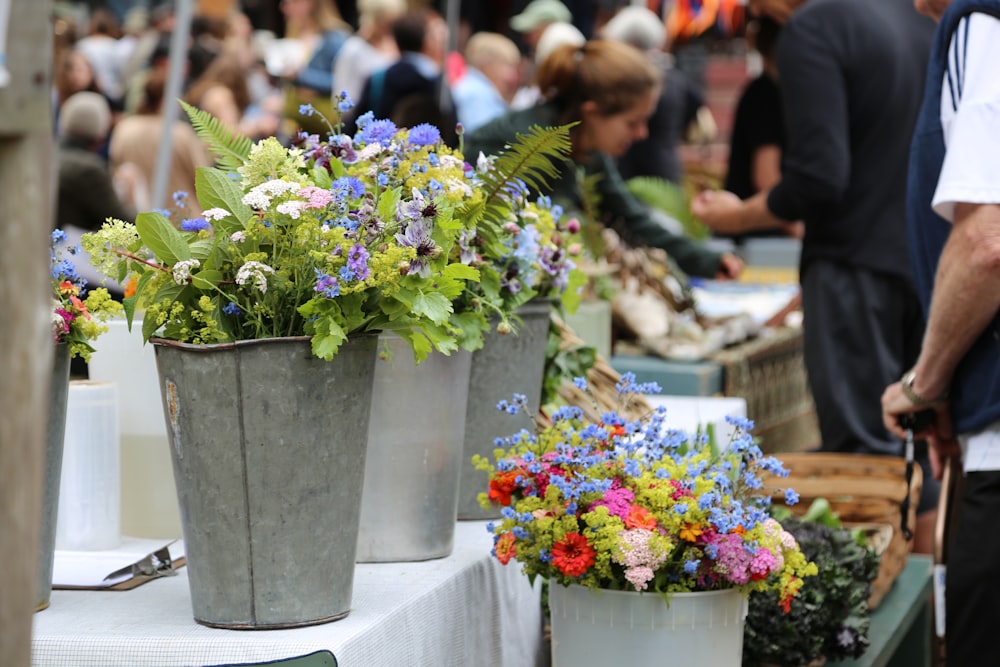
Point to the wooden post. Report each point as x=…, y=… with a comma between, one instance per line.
x=26, y=196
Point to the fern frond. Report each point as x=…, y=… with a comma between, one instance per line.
x=230, y=148
x=533, y=158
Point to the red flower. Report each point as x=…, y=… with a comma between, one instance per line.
x=573, y=556
x=503, y=485
x=505, y=547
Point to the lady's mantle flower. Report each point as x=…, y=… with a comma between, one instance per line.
x=182, y=270
x=254, y=271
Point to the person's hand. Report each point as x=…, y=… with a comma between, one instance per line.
x=719, y=210
x=730, y=267
x=939, y=435
x=796, y=230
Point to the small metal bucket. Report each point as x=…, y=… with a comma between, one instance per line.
x=55, y=436
x=268, y=447
x=506, y=364
x=415, y=440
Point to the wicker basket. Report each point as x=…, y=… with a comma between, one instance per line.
x=769, y=372
x=862, y=489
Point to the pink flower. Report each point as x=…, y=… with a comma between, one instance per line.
x=733, y=559
x=638, y=558
x=618, y=501
x=762, y=564
x=318, y=197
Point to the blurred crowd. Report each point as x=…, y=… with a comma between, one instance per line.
x=394, y=58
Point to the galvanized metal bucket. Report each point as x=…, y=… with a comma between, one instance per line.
x=415, y=444
x=506, y=364
x=268, y=448
x=54, y=438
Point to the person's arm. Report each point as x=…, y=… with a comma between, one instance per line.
x=638, y=228
x=765, y=166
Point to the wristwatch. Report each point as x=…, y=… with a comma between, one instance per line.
x=918, y=401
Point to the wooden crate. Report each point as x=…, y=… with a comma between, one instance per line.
x=769, y=372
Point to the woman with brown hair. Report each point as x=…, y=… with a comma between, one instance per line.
x=222, y=90
x=609, y=89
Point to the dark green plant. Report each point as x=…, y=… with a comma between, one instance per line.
x=830, y=616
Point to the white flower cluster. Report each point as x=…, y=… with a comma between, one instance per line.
x=182, y=270
x=214, y=214
x=259, y=197
x=254, y=271
x=291, y=208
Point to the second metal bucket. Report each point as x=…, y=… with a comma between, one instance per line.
x=506, y=364
x=415, y=440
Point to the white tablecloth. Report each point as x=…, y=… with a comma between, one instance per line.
x=465, y=610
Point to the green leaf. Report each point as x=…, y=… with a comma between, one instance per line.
x=321, y=177
x=216, y=189
x=206, y=280
x=432, y=305
x=470, y=328
x=570, y=298
x=325, y=343
x=230, y=148
x=159, y=235
x=388, y=203
x=462, y=272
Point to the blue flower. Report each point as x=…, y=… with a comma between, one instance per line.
x=357, y=260
x=346, y=274
x=345, y=102
x=791, y=497
x=348, y=185
x=378, y=132
x=306, y=110
x=162, y=211
x=232, y=309
x=691, y=566
x=58, y=236
x=180, y=198
x=580, y=382
x=326, y=285
x=424, y=134
x=194, y=224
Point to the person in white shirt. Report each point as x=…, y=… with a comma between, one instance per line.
x=954, y=231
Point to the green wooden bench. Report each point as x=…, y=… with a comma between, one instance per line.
x=900, y=633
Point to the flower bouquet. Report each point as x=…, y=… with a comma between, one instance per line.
x=626, y=504
x=78, y=314
x=324, y=239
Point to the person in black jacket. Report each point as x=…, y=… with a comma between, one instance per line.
x=852, y=76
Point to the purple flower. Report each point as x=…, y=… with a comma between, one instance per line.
x=327, y=285
x=418, y=237
x=357, y=261
x=424, y=134
x=194, y=224
x=618, y=501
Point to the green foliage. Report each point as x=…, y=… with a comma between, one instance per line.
x=830, y=616
x=563, y=363
x=230, y=148
x=669, y=198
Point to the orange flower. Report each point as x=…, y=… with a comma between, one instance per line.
x=639, y=517
x=574, y=555
x=690, y=532
x=79, y=306
x=66, y=287
x=131, y=286
x=739, y=530
x=503, y=485
x=505, y=547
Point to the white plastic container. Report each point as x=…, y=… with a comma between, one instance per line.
x=628, y=628
x=89, y=516
x=148, y=495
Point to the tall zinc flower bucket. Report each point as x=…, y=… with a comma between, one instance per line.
x=505, y=365
x=605, y=627
x=268, y=447
x=415, y=445
x=52, y=473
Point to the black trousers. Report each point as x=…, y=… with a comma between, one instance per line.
x=972, y=580
x=862, y=330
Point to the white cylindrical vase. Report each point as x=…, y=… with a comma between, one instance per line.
x=89, y=516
